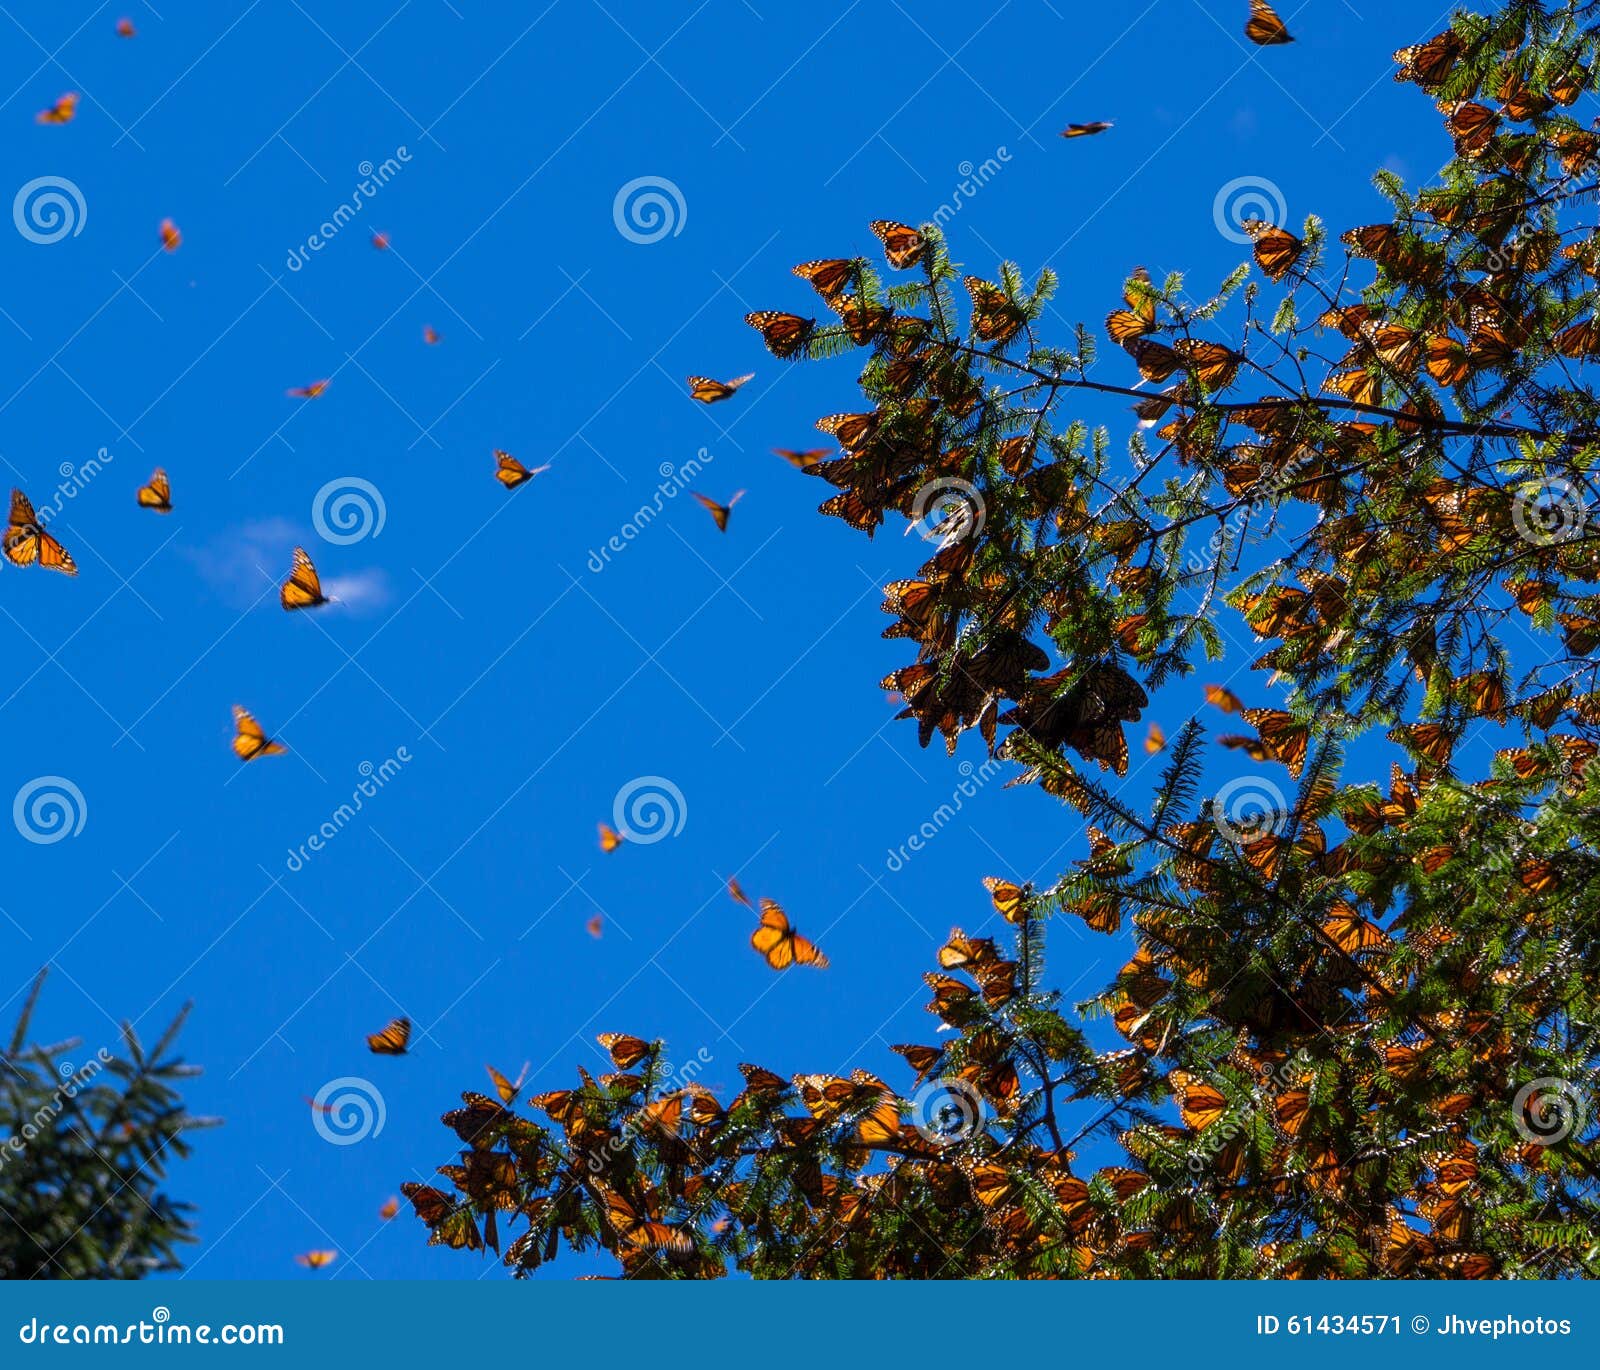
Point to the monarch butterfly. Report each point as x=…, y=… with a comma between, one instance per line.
x=737, y=894
x=595, y=926
x=157, y=494
x=783, y=947
x=303, y=589
x=902, y=245
x=1252, y=747
x=923, y=1060
x=610, y=838
x=1210, y=363
x=1085, y=130
x=390, y=1207
x=642, y=1233
x=1199, y=1103
x=450, y=1225
x=626, y=1052
x=62, y=112
x=430, y=334
x=994, y=317
x=1221, y=697
x=249, y=741
x=1264, y=27
x=26, y=541
x=828, y=275
x=1350, y=932
x=1009, y=899
x=380, y=241
x=1472, y=126
x=504, y=1087
x=708, y=391
x=784, y=334
x=511, y=473
x=125, y=28
x=853, y=431
x=1155, y=740
x=719, y=512
x=1428, y=63
x=170, y=236
x=392, y=1041
x=307, y=392
x=315, y=1260
x=801, y=460
x=862, y=323
x=1284, y=739
x=1276, y=249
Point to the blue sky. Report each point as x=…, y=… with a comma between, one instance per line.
x=526, y=688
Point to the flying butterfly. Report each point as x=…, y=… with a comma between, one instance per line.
x=62, y=112
x=719, y=512
x=709, y=391
x=800, y=460
x=26, y=541
x=157, y=494
x=1085, y=130
x=249, y=741
x=595, y=927
x=902, y=244
x=1221, y=697
x=1284, y=739
x=784, y=334
x=393, y=1040
x=610, y=838
x=511, y=473
x=782, y=946
x=307, y=392
x=125, y=28
x=1155, y=740
x=1264, y=26
x=315, y=1260
x=430, y=334
x=171, y=238
x=390, y=1207
x=303, y=589
x=737, y=894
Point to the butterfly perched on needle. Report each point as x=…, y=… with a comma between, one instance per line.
x=393, y=1040
x=777, y=940
x=511, y=473
x=709, y=391
x=170, y=236
x=303, y=589
x=157, y=494
x=718, y=512
x=249, y=741
x=307, y=392
x=784, y=334
x=1086, y=130
x=1264, y=26
x=27, y=543
x=902, y=244
x=800, y=460
x=62, y=112
x=315, y=1260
